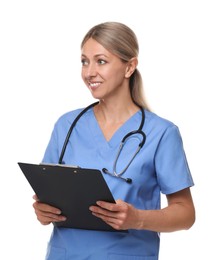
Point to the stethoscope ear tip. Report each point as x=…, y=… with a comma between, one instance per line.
x=128, y=180
x=104, y=170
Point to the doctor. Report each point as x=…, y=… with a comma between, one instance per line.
x=136, y=174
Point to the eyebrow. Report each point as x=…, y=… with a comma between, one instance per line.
x=96, y=55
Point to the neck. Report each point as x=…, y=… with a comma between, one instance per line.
x=115, y=112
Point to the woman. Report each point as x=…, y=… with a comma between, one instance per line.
x=109, y=55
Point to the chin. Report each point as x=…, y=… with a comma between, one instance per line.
x=96, y=96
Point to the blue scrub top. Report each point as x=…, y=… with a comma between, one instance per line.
x=160, y=167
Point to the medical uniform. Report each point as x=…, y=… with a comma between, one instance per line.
x=160, y=166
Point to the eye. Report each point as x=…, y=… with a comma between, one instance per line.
x=101, y=62
x=84, y=62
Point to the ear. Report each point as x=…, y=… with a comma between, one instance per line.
x=131, y=66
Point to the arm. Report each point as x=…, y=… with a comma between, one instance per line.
x=178, y=215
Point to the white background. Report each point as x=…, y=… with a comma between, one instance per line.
x=40, y=79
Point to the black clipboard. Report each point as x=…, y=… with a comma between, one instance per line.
x=72, y=190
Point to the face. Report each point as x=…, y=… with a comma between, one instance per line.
x=104, y=74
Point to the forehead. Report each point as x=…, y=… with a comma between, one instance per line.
x=92, y=47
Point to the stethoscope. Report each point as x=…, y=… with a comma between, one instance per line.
x=134, y=132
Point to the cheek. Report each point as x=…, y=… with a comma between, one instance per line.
x=82, y=72
x=116, y=74
x=118, y=77
x=83, y=75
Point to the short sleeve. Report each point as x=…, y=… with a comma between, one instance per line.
x=51, y=154
x=171, y=164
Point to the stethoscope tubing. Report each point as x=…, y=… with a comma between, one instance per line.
x=71, y=129
x=121, y=147
x=138, y=131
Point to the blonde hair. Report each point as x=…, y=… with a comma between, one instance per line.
x=120, y=40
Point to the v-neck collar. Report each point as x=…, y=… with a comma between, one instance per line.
x=131, y=124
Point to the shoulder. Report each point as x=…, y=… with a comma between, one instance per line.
x=157, y=127
x=157, y=121
x=162, y=131
x=67, y=118
x=70, y=116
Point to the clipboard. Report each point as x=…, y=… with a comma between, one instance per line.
x=72, y=190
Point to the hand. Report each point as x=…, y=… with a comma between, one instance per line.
x=46, y=213
x=119, y=216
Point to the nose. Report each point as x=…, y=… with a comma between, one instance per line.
x=91, y=70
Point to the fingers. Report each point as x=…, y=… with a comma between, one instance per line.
x=114, y=207
x=113, y=214
x=35, y=197
x=47, y=214
x=109, y=209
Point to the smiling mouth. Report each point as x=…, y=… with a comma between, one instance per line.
x=94, y=85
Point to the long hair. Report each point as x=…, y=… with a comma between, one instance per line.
x=120, y=40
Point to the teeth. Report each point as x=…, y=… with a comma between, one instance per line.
x=94, y=84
